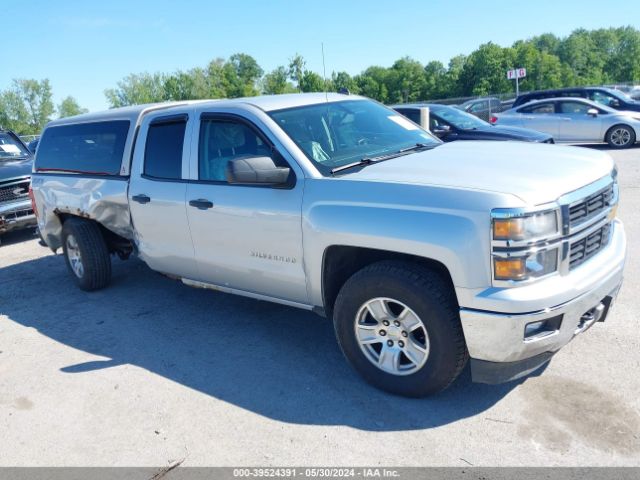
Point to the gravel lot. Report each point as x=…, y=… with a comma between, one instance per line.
x=150, y=371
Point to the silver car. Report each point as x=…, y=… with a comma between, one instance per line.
x=575, y=120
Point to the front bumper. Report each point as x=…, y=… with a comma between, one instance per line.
x=496, y=339
x=16, y=215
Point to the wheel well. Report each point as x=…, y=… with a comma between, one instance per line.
x=618, y=125
x=341, y=262
x=115, y=243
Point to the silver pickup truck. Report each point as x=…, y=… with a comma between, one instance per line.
x=424, y=254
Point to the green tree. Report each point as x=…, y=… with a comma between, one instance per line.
x=435, y=80
x=344, y=80
x=277, y=81
x=296, y=69
x=624, y=62
x=69, y=107
x=607, y=55
x=311, y=82
x=547, y=42
x=27, y=106
x=405, y=81
x=138, y=89
x=579, y=53
x=241, y=74
x=484, y=71
x=217, y=81
x=372, y=83
x=452, y=86
x=189, y=85
x=544, y=69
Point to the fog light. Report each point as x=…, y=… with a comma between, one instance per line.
x=542, y=328
x=533, y=329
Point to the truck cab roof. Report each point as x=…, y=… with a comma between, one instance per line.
x=267, y=103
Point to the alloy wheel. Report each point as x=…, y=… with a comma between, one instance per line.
x=392, y=336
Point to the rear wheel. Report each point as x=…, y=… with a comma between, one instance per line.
x=620, y=136
x=398, y=325
x=86, y=254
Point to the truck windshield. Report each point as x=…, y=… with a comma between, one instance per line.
x=335, y=134
x=10, y=147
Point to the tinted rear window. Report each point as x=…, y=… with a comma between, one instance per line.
x=163, y=152
x=93, y=148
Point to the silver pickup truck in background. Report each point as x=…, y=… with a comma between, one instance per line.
x=424, y=254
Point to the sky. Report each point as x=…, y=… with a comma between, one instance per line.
x=85, y=47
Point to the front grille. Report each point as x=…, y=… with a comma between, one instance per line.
x=584, y=249
x=590, y=207
x=14, y=191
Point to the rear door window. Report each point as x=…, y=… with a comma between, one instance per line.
x=90, y=148
x=163, y=150
x=539, y=108
x=574, y=107
x=478, y=107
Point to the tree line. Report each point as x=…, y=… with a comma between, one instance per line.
x=27, y=106
x=585, y=57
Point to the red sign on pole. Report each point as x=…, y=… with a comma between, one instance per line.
x=516, y=73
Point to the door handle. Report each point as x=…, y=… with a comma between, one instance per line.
x=141, y=198
x=201, y=204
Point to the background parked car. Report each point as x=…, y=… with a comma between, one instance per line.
x=482, y=107
x=33, y=145
x=634, y=93
x=449, y=124
x=604, y=96
x=16, y=162
x=575, y=120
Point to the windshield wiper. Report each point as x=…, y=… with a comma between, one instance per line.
x=417, y=146
x=369, y=160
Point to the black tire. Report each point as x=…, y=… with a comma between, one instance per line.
x=433, y=301
x=93, y=251
x=616, y=131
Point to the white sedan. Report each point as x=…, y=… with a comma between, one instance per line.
x=575, y=120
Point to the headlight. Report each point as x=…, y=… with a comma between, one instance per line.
x=523, y=227
x=533, y=265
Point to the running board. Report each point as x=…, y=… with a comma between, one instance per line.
x=244, y=293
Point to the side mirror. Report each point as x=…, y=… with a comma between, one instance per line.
x=593, y=112
x=256, y=171
x=614, y=103
x=441, y=130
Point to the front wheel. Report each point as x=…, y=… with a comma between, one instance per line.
x=620, y=136
x=398, y=325
x=86, y=254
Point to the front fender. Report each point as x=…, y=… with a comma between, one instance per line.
x=451, y=226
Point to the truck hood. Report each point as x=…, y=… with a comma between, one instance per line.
x=536, y=173
x=15, y=168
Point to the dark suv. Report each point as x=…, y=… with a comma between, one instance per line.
x=606, y=96
x=16, y=162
